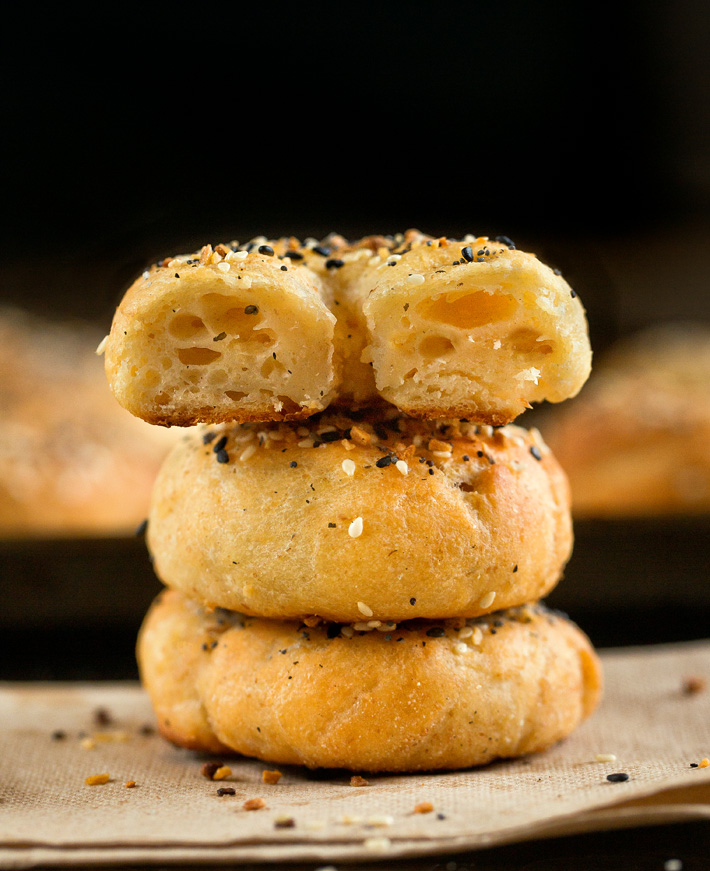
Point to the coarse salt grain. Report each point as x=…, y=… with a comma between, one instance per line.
x=364, y=610
x=348, y=466
x=460, y=647
x=355, y=531
x=487, y=600
x=224, y=266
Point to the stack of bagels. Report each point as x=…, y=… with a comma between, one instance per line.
x=354, y=535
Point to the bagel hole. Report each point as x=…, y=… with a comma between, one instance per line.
x=198, y=356
x=187, y=326
x=234, y=395
x=526, y=341
x=435, y=346
x=468, y=310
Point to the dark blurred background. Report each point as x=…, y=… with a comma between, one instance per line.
x=582, y=133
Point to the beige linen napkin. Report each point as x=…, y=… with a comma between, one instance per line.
x=655, y=719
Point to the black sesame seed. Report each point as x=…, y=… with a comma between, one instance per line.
x=412, y=601
x=208, y=437
x=222, y=457
x=220, y=444
x=619, y=777
x=284, y=268
x=331, y=526
x=219, y=337
x=251, y=310
x=572, y=293
x=515, y=569
x=330, y=436
x=383, y=462
x=431, y=471
x=535, y=451
x=293, y=464
x=466, y=458
x=267, y=250
x=504, y=240
x=142, y=528
x=436, y=632
x=333, y=630
x=294, y=255
x=226, y=790
x=59, y=735
x=334, y=263
x=467, y=254
x=322, y=250
x=694, y=765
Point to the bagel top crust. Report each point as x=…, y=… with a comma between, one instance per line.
x=375, y=517
x=280, y=329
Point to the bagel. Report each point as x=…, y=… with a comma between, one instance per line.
x=373, y=515
x=636, y=442
x=72, y=462
x=423, y=696
x=279, y=330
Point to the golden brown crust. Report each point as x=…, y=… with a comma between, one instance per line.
x=636, y=442
x=456, y=519
x=422, y=697
x=438, y=327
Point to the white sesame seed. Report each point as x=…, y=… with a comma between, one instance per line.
x=402, y=467
x=466, y=632
x=146, y=274
x=415, y=279
x=247, y=452
x=364, y=609
x=379, y=820
x=304, y=443
x=377, y=845
x=605, y=757
x=240, y=255
x=477, y=636
x=487, y=600
x=673, y=865
x=174, y=263
x=362, y=627
x=348, y=467
x=102, y=346
x=314, y=825
x=347, y=631
x=355, y=531
x=224, y=266
x=444, y=455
